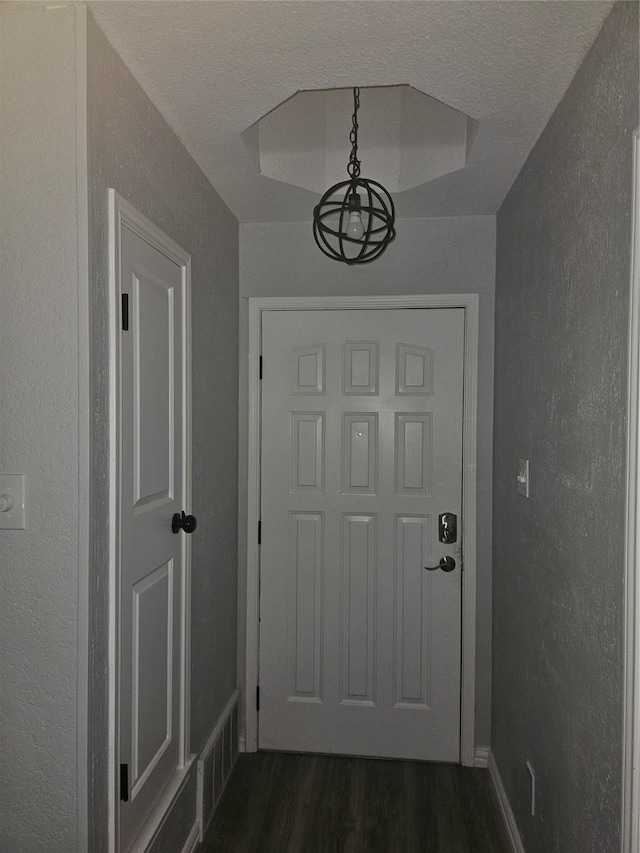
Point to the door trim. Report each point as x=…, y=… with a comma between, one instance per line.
x=122, y=213
x=631, y=727
x=470, y=303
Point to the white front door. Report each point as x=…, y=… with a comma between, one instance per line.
x=360, y=644
x=152, y=565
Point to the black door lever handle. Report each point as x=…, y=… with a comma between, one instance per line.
x=447, y=564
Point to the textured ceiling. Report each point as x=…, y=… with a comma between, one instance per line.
x=215, y=68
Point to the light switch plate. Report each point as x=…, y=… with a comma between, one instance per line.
x=12, y=494
x=523, y=477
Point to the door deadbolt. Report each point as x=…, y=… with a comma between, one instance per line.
x=448, y=528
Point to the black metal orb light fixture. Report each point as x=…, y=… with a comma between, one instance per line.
x=354, y=220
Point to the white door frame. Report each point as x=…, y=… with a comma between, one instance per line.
x=122, y=213
x=631, y=736
x=468, y=301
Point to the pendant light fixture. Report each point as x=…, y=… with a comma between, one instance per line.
x=354, y=221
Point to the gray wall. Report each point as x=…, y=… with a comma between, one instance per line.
x=563, y=249
x=42, y=369
x=448, y=255
x=132, y=149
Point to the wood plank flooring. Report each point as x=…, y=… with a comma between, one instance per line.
x=288, y=803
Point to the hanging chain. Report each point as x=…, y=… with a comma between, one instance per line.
x=353, y=167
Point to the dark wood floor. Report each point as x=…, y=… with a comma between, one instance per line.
x=286, y=803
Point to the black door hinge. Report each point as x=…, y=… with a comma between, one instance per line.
x=260, y=533
x=260, y=367
x=125, y=312
x=258, y=698
x=124, y=783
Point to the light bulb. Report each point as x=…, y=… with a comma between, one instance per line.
x=355, y=228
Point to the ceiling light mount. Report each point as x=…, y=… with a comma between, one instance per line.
x=354, y=220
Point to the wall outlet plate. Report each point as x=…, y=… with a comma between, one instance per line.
x=12, y=498
x=523, y=477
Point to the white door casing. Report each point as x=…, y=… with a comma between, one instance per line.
x=468, y=302
x=149, y=584
x=630, y=841
x=361, y=450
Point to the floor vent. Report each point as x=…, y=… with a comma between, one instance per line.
x=216, y=763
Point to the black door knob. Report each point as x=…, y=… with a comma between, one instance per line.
x=180, y=521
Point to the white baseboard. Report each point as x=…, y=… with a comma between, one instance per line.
x=481, y=756
x=216, y=761
x=242, y=743
x=505, y=807
x=193, y=838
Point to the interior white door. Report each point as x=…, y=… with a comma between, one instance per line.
x=360, y=645
x=152, y=477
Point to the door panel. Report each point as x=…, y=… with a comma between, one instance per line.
x=151, y=682
x=413, y=454
x=305, y=605
x=153, y=388
x=361, y=451
x=413, y=604
x=307, y=452
x=152, y=559
x=358, y=614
